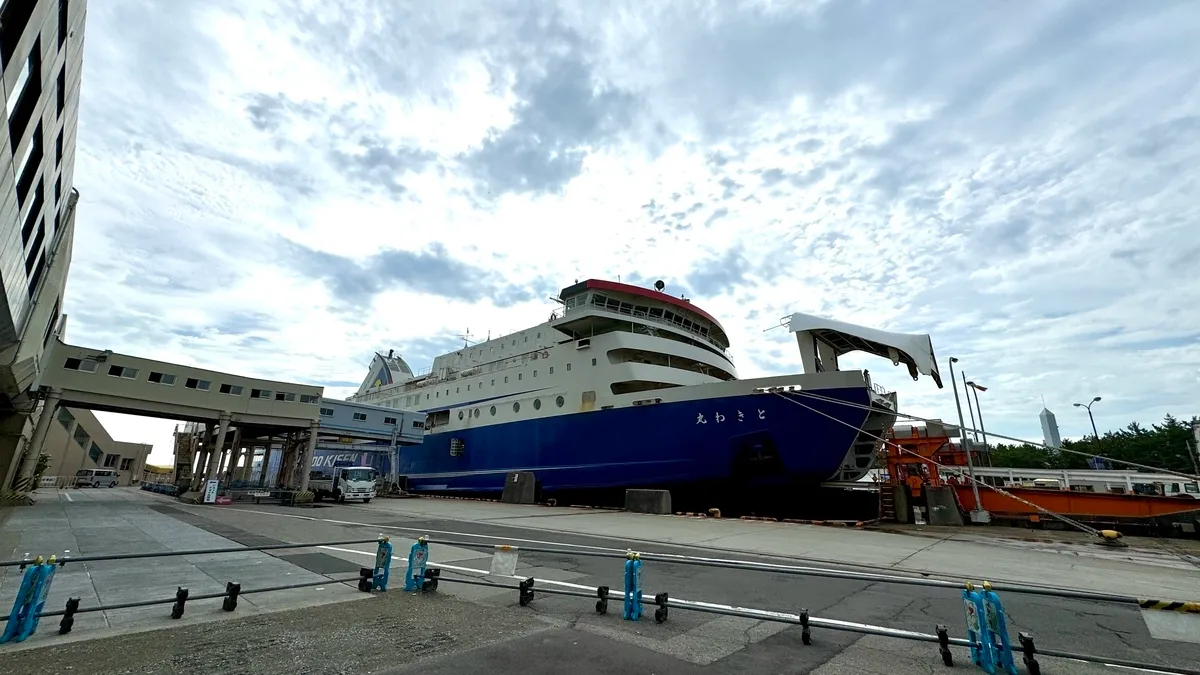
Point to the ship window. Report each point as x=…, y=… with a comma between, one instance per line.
x=656, y=312
x=517, y=407
x=480, y=385
x=468, y=387
x=493, y=411
x=493, y=381
x=460, y=415
x=551, y=370
x=526, y=338
x=568, y=366
x=389, y=420
x=427, y=396
x=559, y=401
x=505, y=379
x=520, y=375
x=360, y=417
x=455, y=390
x=593, y=362
x=535, y=373
x=537, y=404
x=436, y=394
x=477, y=413
x=514, y=343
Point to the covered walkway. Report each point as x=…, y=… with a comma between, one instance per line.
x=239, y=407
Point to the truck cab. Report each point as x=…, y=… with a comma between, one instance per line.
x=345, y=482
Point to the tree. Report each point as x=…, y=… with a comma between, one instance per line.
x=1162, y=446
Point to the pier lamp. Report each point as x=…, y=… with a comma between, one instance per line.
x=978, y=515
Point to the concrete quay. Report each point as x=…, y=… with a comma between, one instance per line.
x=462, y=628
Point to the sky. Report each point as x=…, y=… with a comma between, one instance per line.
x=280, y=189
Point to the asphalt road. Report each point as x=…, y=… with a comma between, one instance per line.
x=468, y=629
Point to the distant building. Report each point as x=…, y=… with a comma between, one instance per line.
x=1050, y=435
x=80, y=441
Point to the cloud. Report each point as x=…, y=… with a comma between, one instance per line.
x=283, y=189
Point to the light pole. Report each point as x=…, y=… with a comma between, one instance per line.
x=976, y=388
x=978, y=515
x=974, y=429
x=1095, y=434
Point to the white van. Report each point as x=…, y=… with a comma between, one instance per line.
x=96, y=478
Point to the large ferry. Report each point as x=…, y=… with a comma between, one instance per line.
x=627, y=386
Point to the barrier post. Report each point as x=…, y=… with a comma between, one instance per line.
x=30, y=623
x=181, y=596
x=68, y=618
x=232, y=589
x=23, y=602
x=805, y=633
x=944, y=645
x=602, y=603
x=383, y=563
x=418, y=557
x=660, y=614
x=998, y=627
x=1030, y=654
x=977, y=630
x=525, y=588
x=633, y=587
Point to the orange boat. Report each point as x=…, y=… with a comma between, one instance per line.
x=1101, y=506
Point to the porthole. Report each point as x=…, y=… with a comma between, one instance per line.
x=559, y=401
x=477, y=413
x=460, y=414
x=537, y=404
x=493, y=411
x=517, y=406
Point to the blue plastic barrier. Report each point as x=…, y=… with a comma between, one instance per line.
x=987, y=630
x=30, y=601
x=998, y=627
x=633, y=587
x=383, y=563
x=418, y=557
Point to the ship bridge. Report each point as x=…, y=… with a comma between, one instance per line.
x=822, y=341
x=595, y=306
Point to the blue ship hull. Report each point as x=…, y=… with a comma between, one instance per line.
x=754, y=439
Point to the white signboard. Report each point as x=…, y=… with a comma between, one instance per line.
x=48, y=481
x=210, y=491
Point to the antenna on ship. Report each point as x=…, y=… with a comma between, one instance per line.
x=659, y=285
x=466, y=338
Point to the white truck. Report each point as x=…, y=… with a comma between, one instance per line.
x=346, y=482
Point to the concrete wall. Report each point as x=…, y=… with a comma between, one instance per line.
x=134, y=379
x=72, y=430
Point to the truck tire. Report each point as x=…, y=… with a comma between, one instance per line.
x=366, y=500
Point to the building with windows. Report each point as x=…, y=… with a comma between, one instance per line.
x=41, y=58
x=78, y=440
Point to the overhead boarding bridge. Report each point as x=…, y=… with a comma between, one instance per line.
x=95, y=379
x=822, y=341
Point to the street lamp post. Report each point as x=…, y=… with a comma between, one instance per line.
x=978, y=515
x=974, y=429
x=1095, y=434
x=976, y=388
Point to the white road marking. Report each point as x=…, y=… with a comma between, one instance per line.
x=68, y=496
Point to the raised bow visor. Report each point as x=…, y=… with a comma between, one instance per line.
x=822, y=341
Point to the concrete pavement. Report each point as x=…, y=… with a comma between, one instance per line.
x=568, y=634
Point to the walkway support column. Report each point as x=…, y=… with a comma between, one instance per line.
x=214, y=461
x=266, y=462
x=309, y=451
x=34, y=449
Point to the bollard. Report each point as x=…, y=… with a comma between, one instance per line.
x=181, y=596
x=602, y=603
x=944, y=645
x=418, y=556
x=805, y=633
x=998, y=628
x=383, y=563
x=633, y=586
x=978, y=631
x=1030, y=651
x=366, y=579
x=526, y=591
x=23, y=600
x=431, y=579
x=68, y=619
x=660, y=614
x=232, y=590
